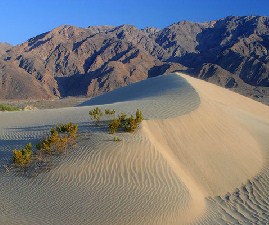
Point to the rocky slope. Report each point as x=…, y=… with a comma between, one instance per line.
x=4, y=47
x=71, y=61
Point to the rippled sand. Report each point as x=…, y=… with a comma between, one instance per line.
x=200, y=157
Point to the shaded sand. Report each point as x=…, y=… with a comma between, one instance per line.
x=200, y=157
x=102, y=182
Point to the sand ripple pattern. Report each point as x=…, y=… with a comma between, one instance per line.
x=101, y=182
x=248, y=204
x=150, y=177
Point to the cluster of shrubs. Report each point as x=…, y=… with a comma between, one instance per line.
x=110, y=112
x=96, y=114
x=23, y=156
x=127, y=124
x=4, y=107
x=61, y=137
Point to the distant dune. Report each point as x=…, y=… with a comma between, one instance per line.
x=199, y=157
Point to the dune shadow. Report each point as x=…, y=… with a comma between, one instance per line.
x=149, y=88
x=21, y=136
x=30, y=128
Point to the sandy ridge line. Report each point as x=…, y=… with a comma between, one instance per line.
x=197, y=205
x=209, y=150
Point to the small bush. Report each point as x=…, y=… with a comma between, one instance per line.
x=138, y=116
x=69, y=128
x=61, y=144
x=8, y=108
x=96, y=114
x=114, y=125
x=130, y=124
x=116, y=138
x=109, y=112
x=23, y=156
x=59, y=138
x=47, y=144
x=122, y=117
x=53, y=143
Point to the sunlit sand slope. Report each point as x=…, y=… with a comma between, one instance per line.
x=248, y=202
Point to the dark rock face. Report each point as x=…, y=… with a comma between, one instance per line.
x=70, y=61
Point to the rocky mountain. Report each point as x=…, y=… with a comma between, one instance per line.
x=4, y=47
x=71, y=61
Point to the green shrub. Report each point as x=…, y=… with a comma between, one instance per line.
x=47, y=144
x=130, y=124
x=114, y=125
x=8, y=108
x=138, y=116
x=61, y=143
x=53, y=143
x=69, y=128
x=64, y=128
x=122, y=117
x=116, y=138
x=110, y=112
x=23, y=156
x=59, y=138
x=96, y=114
x=72, y=130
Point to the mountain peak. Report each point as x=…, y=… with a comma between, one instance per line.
x=4, y=47
x=69, y=60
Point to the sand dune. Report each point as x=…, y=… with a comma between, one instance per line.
x=200, y=157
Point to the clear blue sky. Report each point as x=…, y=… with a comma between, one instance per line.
x=23, y=19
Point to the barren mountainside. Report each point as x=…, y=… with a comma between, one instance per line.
x=4, y=47
x=71, y=61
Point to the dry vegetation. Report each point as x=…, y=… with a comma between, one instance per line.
x=23, y=156
x=4, y=107
x=110, y=112
x=127, y=124
x=96, y=115
x=61, y=138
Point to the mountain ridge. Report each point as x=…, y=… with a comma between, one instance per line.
x=70, y=61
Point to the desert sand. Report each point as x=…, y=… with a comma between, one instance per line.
x=199, y=157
